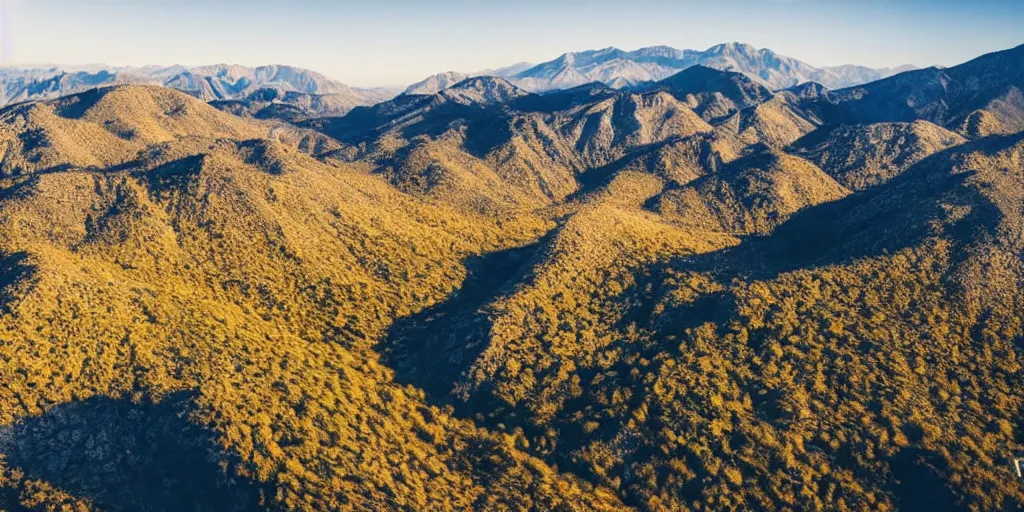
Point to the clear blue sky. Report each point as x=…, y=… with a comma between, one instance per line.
x=395, y=42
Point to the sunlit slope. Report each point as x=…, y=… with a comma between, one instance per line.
x=861, y=353
x=695, y=295
x=751, y=194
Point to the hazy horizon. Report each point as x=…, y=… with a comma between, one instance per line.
x=399, y=42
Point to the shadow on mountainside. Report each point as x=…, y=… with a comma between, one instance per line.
x=919, y=481
x=879, y=221
x=76, y=106
x=128, y=456
x=485, y=127
x=13, y=269
x=173, y=176
x=871, y=223
x=431, y=349
x=598, y=178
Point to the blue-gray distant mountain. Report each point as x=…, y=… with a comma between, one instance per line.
x=441, y=81
x=619, y=68
x=436, y=83
x=208, y=83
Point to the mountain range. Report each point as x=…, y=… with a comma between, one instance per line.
x=620, y=69
x=218, y=82
x=696, y=292
x=310, y=94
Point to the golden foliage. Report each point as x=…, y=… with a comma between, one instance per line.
x=635, y=348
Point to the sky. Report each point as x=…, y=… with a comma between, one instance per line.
x=397, y=42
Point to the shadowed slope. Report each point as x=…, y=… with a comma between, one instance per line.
x=977, y=98
x=861, y=156
x=752, y=194
x=739, y=375
x=486, y=146
x=121, y=455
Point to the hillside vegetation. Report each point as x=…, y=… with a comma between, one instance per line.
x=696, y=295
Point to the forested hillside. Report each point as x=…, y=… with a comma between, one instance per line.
x=696, y=295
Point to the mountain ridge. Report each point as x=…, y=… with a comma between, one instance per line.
x=699, y=294
x=657, y=62
x=209, y=82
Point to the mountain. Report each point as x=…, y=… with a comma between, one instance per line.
x=506, y=71
x=488, y=143
x=706, y=85
x=703, y=293
x=209, y=83
x=860, y=156
x=210, y=194
x=482, y=90
x=849, y=75
x=753, y=194
x=624, y=69
x=976, y=98
x=735, y=103
x=435, y=83
x=47, y=84
x=291, y=106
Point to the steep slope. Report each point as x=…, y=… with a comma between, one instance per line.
x=776, y=122
x=486, y=144
x=482, y=91
x=626, y=69
x=976, y=98
x=209, y=83
x=572, y=69
x=737, y=105
x=752, y=194
x=713, y=93
x=113, y=126
x=862, y=156
x=854, y=357
x=780, y=72
x=675, y=161
x=106, y=127
x=435, y=83
x=288, y=106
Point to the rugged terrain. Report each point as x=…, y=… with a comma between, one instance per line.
x=302, y=89
x=626, y=69
x=703, y=293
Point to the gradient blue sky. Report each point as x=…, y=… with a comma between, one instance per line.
x=395, y=42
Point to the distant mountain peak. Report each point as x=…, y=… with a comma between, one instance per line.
x=623, y=69
x=734, y=47
x=706, y=78
x=208, y=83
x=657, y=50
x=566, y=59
x=809, y=90
x=478, y=82
x=611, y=50
x=483, y=90
x=435, y=83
